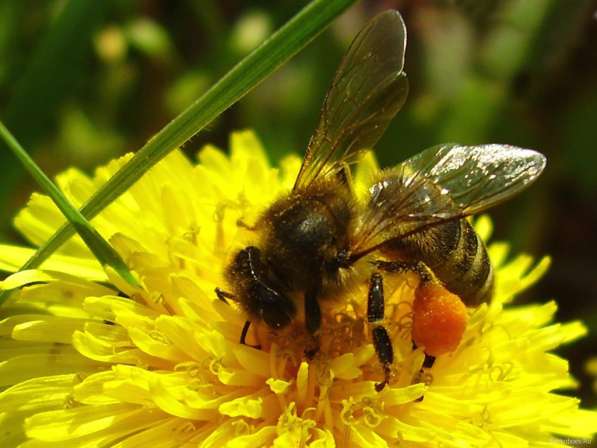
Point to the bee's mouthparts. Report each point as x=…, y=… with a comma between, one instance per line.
x=343, y=259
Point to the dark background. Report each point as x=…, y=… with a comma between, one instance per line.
x=83, y=81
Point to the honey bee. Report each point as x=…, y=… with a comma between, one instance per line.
x=308, y=241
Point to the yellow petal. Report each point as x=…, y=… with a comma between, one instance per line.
x=68, y=423
x=13, y=257
x=243, y=407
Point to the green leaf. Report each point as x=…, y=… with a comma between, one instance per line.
x=247, y=74
x=102, y=250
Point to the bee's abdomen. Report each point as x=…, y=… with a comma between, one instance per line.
x=457, y=256
x=467, y=270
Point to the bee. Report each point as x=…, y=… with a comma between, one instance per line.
x=414, y=218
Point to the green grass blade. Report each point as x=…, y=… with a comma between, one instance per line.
x=247, y=74
x=102, y=250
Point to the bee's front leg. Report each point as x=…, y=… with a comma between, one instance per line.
x=312, y=321
x=243, y=335
x=381, y=339
x=224, y=295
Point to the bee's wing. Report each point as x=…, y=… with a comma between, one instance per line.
x=368, y=89
x=440, y=184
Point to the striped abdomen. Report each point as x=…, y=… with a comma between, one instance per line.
x=456, y=255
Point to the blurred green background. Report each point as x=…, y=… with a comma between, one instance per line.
x=82, y=81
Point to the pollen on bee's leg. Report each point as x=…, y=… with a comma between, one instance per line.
x=439, y=319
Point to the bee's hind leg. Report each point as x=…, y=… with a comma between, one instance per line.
x=420, y=268
x=426, y=276
x=428, y=361
x=381, y=339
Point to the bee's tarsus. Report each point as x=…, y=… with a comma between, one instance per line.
x=243, y=335
x=384, y=350
x=381, y=385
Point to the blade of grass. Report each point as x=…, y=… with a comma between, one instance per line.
x=243, y=77
x=102, y=250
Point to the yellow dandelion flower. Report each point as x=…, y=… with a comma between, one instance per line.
x=88, y=361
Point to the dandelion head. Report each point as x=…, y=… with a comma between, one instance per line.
x=88, y=360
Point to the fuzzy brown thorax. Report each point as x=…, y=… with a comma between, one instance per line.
x=303, y=233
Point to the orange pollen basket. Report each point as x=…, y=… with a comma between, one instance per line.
x=439, y=319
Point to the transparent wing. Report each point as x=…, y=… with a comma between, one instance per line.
x=368, y=89
x=443, y=183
